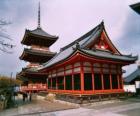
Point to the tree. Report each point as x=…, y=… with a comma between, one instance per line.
x=4, y=37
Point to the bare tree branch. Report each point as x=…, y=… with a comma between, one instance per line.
x=5, y=47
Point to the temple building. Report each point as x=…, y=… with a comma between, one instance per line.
x=132, y=81
x=37, y=52
x=89, y=65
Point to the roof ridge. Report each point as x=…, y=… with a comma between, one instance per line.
x=83, y=36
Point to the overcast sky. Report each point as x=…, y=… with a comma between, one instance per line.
x=69, y=19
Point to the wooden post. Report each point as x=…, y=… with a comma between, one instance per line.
x=110, y=77
x=102, y=77
x=92, y=71
x=118, y=81
x=64, y=79
x=72, y=77
x=56, y=81
x=82, y=77
x=51, y=80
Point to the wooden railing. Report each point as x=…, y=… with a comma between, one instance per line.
x=34, y=87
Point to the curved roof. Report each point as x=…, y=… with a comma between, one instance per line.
x=136, y=7
x=39, y=56
x=41, y=32
x=133, y=75
x=67, y=51
x=38, y=37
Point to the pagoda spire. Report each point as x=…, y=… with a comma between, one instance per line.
x=38, y=15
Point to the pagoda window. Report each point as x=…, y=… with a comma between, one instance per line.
x=53, y=83
x=87, y=81
x=106, y=79
x=77, y=82
x=97, y=81
x=60, y=83
x=114, y=81
x=68, y=79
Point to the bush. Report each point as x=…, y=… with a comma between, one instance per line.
x=7, y=88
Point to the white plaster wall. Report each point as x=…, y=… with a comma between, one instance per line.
x=130, y=88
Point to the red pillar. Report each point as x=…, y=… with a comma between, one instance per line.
x=56, y=81
x=82, y=77
x=118, y=77
x=92, y=71
x=118, y=81
x=72, y=77
x=122, y=82
x=51, y=81
x=110, y=77
x=102, y=77
x=64, y=79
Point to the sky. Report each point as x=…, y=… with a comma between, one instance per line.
x=69, y=19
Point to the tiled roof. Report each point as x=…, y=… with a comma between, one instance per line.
x=39, y=52
x=41, y=32
x=38, y=37
x=133, y=75
x=136, y=7
x=68, y=50
x=109, y=55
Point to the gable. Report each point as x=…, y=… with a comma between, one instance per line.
x=103, y=43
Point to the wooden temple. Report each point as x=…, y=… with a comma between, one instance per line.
x=90, y=65
x=37, y=52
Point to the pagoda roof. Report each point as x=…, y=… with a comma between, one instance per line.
x=83, y=41
x=29, y=73
x=38, y=37
x=133, y=75
x=33, y=55
x=136, y=7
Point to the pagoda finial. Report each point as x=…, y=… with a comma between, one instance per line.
x=39, y=15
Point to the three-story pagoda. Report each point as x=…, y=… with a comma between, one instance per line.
x=37, y=52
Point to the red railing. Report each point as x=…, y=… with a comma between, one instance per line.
x=34, y=87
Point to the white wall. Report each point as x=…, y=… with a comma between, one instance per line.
x=130, y=88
